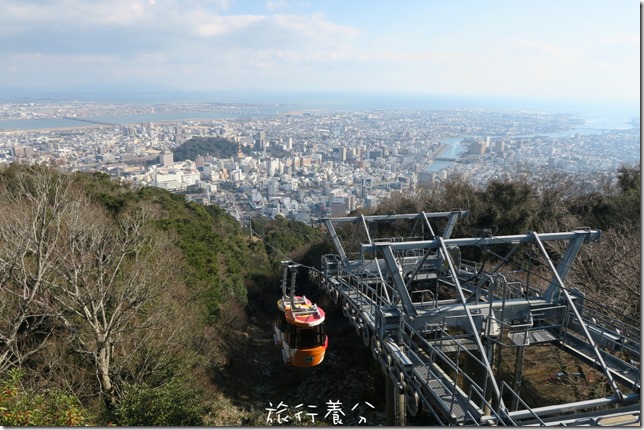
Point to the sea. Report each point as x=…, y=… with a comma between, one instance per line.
x=598, y=117
x=58, y=123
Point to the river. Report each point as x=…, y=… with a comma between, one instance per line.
x=61, y=123
x=454, y=149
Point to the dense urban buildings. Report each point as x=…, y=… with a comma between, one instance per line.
x=304, y=164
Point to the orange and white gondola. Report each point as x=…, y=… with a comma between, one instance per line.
x=299, y=326
x=284, y=305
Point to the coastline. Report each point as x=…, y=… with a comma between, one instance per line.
x=43, y=124
x=48, y=129
x=88, y=125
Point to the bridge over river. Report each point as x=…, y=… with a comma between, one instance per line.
x=91, y=121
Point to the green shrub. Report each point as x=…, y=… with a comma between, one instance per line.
x=21, y=407
x=169, y=405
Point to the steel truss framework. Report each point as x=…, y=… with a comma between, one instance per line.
x=439, y=324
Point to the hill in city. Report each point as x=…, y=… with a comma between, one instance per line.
x=217, y=147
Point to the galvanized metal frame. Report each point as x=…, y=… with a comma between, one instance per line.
x=377, y=299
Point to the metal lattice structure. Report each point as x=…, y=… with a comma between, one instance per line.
x=440, y=326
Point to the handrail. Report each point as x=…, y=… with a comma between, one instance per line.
x=446, y=255
x=516, y=396
x=503, y=304
x=573, y=307
x=430, y=292
x=410, y=335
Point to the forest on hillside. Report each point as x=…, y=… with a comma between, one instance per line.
x=218, y=147
x=112, y=298
x=122, y=306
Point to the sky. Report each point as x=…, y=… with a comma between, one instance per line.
x=566, y=50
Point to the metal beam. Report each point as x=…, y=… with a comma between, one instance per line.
x=598, y=355
x=399, y=283
x=475, y=333
x=393, y=217
x=366, y=228
x=454, y=314
x=481, y=241
x=451, y=222
x=569, y=407
x=429, y=226
x=563, y=268
x=336, y=241
x=329, y=222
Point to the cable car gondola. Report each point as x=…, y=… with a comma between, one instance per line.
x=299, y=325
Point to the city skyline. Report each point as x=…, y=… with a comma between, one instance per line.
x=570, y=52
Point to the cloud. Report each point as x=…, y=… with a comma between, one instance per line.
x=142, y=26
x=274, y=5
x=620, y=40
x=215, y=25
x=534, y=47
x=327, y=45
x=75, y=40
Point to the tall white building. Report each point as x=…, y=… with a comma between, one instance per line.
x=166, y=159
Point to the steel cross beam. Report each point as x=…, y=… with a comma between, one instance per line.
x=393, y=217
x=554, y=289
x=452, y=217
x=429, y=226
x=399, y=283
x=497, y=240
x=366, y=228
x=451, y=222
x=454, y=314
x=336, y=241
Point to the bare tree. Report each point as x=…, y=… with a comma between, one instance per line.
x=610, y=272
x=33, y=204
x=111, y=275
x=78, y=281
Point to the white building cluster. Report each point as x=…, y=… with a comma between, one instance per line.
x=328, y=163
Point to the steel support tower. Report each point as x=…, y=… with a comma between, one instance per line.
x=444, y=328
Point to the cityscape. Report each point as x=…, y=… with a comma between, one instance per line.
x=450, y=195
x=306, y=164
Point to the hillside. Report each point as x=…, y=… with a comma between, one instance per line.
x=217, y=147
x=137, y=286
x=184, y=325
x=172, y=304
